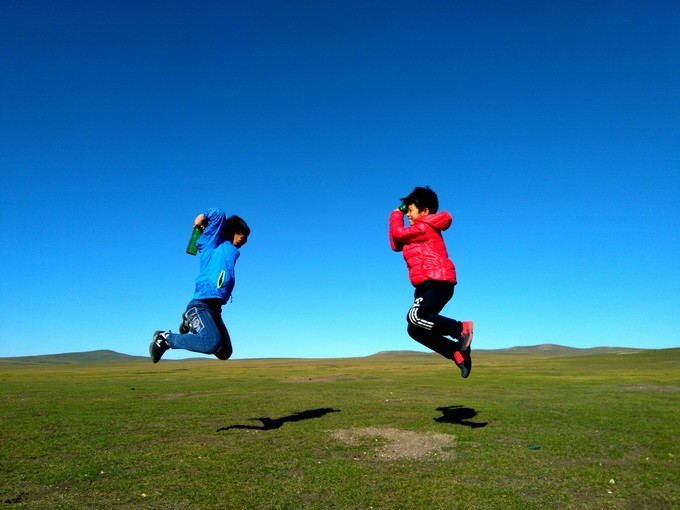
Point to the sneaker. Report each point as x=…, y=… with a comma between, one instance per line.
x=184, y=328
x=158, y=346
x=464, y=362
x=466, y=335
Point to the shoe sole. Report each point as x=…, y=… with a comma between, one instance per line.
x=464, y=371
x=184, y=327
x=465, y=344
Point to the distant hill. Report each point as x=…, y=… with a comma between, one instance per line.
x=107, y=356
x=72, y=358
x=542, y=349
x=402, y=353
x=560, y=350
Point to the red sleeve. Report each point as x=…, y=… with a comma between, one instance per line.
x=401, y=235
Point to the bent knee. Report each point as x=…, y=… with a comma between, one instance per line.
x=223, y=354
x=416, y=332
x=212, y=345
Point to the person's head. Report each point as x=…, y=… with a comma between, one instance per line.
x=236, y=230
x=420, y=202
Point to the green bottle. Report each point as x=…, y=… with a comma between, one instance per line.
x=192, y=249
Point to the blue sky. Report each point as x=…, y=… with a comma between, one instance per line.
x=549, y=130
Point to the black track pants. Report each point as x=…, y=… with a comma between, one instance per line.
x=426, y=326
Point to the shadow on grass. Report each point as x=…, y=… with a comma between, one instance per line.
x=275, y=423
x=459, y=415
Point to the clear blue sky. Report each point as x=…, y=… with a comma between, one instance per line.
x=549, y=130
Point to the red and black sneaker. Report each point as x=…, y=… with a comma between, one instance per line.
x=464, y=361
x=466, y=335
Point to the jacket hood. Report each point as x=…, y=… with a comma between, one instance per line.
x=440, y=221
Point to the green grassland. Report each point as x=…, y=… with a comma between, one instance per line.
x=531, y=429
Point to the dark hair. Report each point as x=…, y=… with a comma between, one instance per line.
x=422, y=198
x=235, y=225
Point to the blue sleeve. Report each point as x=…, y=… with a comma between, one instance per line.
x=230, y=266
x=227, y=279
x=212, y=235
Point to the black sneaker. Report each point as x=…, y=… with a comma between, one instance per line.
x=158, y=345
x=184, y=328
x=464, y=361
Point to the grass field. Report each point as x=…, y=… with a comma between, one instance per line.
x=527, y=430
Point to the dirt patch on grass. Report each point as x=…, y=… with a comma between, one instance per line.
x=319, y=379
x=384, y=443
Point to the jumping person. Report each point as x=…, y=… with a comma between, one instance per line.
x=202, y=328
x=432, y=274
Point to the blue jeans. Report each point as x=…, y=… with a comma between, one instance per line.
x=207, y=334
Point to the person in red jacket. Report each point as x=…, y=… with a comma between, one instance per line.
x=432, y=274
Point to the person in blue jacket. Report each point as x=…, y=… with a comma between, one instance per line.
x=202, y=328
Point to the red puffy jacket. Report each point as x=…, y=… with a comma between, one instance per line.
x=423, y=247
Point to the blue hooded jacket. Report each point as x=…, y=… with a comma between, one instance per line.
x=218, y=257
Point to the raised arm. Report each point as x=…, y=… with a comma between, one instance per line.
x=400, y=235
x=201, y=221
x=212, y=221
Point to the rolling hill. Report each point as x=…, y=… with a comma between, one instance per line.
x=108, y=356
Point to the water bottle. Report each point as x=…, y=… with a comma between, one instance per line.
x=192, y=249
